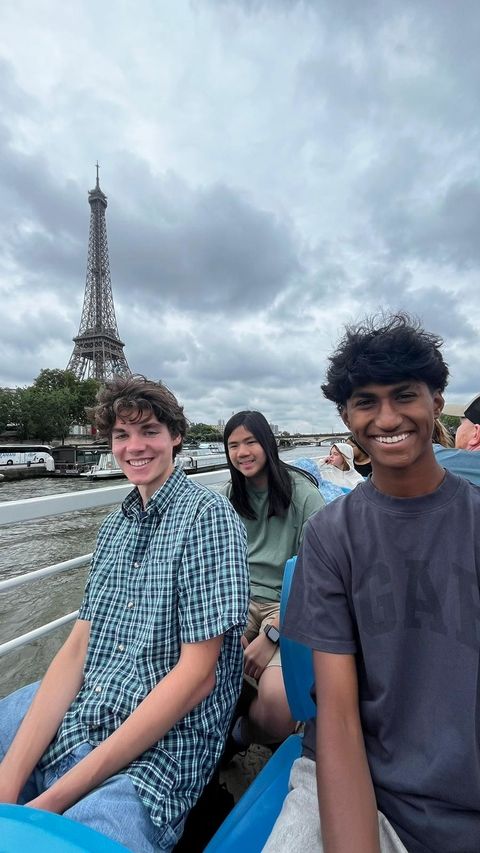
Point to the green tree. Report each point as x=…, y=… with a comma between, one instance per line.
x=53, y=380
x=44, y=415
x=57, y=399
x=451, y=422
x=203, y=432
x=81, y=393
x=47, y=409
x=8, y=407
x=86, y=392
x=35, y=414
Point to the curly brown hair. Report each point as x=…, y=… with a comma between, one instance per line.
x=131, y=398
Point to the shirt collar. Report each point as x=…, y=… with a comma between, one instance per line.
x=132, y=506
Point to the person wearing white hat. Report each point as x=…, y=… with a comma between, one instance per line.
x=338, y=466
x=462, y=460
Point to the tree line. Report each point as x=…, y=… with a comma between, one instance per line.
x=47, y=409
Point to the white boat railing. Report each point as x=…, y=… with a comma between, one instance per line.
x=32, y=509
x=17, y=642
x=28, y=577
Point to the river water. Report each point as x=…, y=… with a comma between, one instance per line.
x=27, y=546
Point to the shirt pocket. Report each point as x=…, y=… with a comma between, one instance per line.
x=165, y=767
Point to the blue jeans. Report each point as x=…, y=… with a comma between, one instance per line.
x=114, y=808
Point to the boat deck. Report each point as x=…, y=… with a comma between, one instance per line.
x=243, y=769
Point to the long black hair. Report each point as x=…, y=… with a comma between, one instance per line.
x=278, y=477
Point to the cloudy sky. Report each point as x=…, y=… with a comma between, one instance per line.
x=274, y=169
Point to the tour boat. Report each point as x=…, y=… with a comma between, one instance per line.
x=105, y=469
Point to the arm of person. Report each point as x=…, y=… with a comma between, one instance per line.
x=348, y=810
x=258, y=653
x=56, y=693
x=187, y=684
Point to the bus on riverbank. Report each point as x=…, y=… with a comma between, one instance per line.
x=27, y=456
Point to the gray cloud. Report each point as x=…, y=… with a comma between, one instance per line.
x=274, y=169
x=214, y=251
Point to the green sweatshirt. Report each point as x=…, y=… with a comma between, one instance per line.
x=272, y=541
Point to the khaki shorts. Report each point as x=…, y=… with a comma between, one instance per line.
x=261, y=613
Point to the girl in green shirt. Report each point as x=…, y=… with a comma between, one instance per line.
x=274, y=501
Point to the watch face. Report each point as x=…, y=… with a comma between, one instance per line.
x=272, y=633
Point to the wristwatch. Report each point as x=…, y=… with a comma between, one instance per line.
x=272, y=633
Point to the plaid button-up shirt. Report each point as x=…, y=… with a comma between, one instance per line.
x=174, y=573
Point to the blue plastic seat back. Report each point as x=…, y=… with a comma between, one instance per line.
x=247, y=827
x=297, y=666
x=24, y=829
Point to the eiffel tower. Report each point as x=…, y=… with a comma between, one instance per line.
x=98, y=351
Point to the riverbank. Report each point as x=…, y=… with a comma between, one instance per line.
x=195, y=465
x=10, y=473
x=191, y=463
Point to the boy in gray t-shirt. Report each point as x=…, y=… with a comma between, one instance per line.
x=386, y=593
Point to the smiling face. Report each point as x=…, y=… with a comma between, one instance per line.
x=248, y=456
x=394, y=424
x=144, y=452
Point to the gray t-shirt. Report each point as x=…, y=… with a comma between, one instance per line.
x=395, y=581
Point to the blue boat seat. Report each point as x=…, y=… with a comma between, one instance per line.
x=247, y=827
x=297, y=665
x=25, y=829
x=249, y=824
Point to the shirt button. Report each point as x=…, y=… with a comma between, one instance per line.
x=98, y=689
x=121, y=647
x=136, y=565
x=94, y=727
x=130, y=604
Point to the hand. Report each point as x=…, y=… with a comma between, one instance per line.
x=257, y=655
x=47, y=802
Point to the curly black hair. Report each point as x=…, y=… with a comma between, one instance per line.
x=384, y=349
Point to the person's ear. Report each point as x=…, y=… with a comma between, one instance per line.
x=475, y=439
x=438, y=403
x=344, y=417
